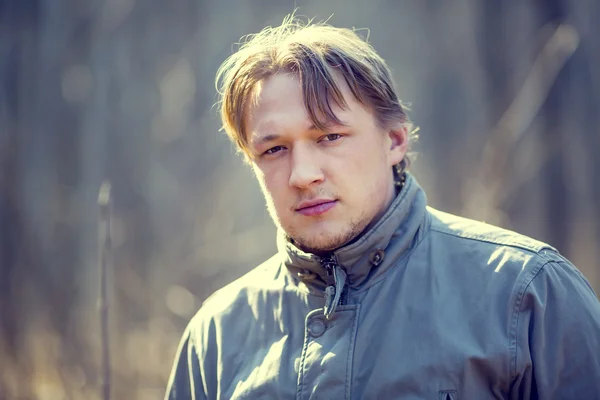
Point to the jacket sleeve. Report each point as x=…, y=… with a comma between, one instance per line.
x=186, y=381
x=557, y=335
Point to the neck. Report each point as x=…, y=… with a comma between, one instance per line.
x=395, y=234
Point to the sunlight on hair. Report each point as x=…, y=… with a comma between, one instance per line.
x=318, y=54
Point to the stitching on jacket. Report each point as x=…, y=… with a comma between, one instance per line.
x=558, y=259
x=350, y=360
x=510, y=243
x=516, y=313
x=515, y=239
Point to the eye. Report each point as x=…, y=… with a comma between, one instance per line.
x=274, y=150
x=331, y=137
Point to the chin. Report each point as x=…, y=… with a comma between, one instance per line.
x=319, y=241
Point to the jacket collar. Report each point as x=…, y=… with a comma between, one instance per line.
x=376, y=251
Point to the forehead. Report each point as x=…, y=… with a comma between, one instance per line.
x=278, y=101
x=275, y=95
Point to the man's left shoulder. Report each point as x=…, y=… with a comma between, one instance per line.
x=498, y=259
x=465, y=228
x=485, y=247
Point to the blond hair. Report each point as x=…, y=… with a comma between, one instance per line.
x=315, y=53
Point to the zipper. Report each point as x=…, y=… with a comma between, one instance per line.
x=333, y=293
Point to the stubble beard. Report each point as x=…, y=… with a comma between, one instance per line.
x=322, y=244
x=327, y=242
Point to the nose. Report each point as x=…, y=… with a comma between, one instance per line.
x=306, y=169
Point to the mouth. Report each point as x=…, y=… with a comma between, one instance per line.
x=316, y=207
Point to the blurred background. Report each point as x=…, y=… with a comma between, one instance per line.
x=506, y=95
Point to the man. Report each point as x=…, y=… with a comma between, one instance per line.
x=372, y=295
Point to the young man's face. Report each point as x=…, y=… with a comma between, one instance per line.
x=322, y=188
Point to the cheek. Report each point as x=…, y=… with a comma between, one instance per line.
x=367, y=162
x=272, y=184
x=369, y=173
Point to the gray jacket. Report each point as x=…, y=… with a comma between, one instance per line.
x=425, y=305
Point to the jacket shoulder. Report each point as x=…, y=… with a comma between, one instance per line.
x=466, y=228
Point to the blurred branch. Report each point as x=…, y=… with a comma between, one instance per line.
x=105, y=203
x=484, y=195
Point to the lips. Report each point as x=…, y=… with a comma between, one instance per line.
x=316, y=207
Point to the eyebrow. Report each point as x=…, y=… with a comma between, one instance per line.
x=331, y=124
x=265, y=139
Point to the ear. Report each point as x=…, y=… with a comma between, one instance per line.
x=397, y=141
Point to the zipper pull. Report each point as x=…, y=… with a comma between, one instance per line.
x=333, y=293
x=328, y=264
x=329, y=299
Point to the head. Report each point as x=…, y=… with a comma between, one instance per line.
x=314, y=111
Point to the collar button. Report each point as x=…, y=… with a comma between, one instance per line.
x=376, y=257
x=306, y=275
